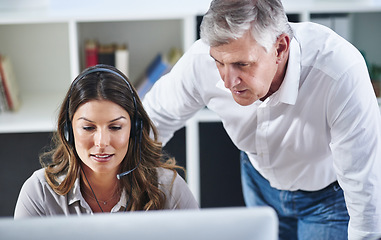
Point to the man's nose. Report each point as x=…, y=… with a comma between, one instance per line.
x=230, y=76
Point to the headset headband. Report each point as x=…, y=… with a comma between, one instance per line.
x=137, y=123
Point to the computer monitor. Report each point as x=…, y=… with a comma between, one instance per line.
x=215, y=223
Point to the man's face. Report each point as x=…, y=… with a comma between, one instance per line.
x=246, y=68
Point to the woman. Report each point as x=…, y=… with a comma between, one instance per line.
x=104, y=159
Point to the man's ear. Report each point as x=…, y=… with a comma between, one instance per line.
x=282, y=46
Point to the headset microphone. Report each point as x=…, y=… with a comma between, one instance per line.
x=120, y=175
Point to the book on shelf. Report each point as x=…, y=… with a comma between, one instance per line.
x=3, y=99
x=91, y=53
x=10, y=99
x=111, y=54
x=121, y=58
x=158, y=67
x=106, y=54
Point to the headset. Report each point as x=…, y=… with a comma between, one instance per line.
x=137, y=123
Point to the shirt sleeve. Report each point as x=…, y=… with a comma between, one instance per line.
x=174, y=98
x=178, y=195
x=354, y=117
x=31, y=198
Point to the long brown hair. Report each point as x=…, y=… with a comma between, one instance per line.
x=62, y=164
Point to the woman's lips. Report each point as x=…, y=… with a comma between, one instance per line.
x=101, y=157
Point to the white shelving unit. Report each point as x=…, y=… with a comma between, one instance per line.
x=46, y=48
x=46, y=45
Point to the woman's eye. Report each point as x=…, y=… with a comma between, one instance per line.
x=88, y=128
x=115, y=128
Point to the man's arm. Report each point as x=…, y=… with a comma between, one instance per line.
x=174, y=98
x=355, y=121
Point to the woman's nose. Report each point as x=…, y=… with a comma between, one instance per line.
x=102, y=138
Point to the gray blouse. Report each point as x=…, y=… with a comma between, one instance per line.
x=37, y=198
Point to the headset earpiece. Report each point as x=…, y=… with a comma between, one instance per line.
x=68, y=133
x=138, y=127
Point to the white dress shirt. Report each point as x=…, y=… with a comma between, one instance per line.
x=322, y=125
x=37, y=198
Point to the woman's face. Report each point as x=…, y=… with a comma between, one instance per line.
x=101, y=135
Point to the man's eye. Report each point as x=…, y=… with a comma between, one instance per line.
x=242, y=64
x=219, y=63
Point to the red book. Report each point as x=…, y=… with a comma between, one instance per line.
x=91, y=53
x=9, y=83
x=5, y=85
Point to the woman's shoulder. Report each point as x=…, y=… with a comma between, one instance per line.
x=35, y=183
x=38, y=176
x=31, y=197
x=169, y=178
x=175, y=188
x=165, y=174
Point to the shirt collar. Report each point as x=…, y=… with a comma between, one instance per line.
x=75, y=195
x=121, y=205
x=288, y=91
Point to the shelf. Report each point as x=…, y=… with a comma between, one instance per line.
x=38, y=113
x=46, y=51
x=124, y=10
x=145, y=39
x=111, y=10
x=331, y=6
x=46, y=48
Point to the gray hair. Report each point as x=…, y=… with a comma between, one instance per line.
x=228, y=20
